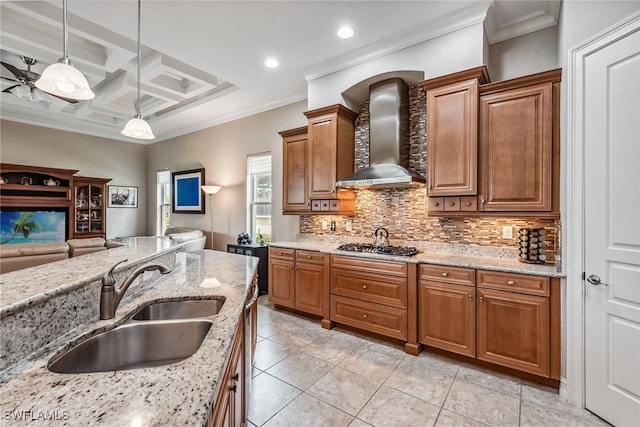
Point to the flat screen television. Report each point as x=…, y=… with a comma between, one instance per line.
x=37, y=225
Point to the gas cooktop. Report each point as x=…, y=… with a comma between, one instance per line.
x=386, y=250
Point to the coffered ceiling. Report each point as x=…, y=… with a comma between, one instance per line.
x=202, y=61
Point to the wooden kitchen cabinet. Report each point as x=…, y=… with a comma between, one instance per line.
x=376, y=296
x=518, y=322
x=330, y=155
x=447, y=318
x=295, y=184
x=90, y=199
x=228, y=408
x=513, y=330
x=452, y=132
x=518, y=154
x=299, y=280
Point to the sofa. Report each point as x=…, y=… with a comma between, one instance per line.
x=193, y=238
x=24, y=255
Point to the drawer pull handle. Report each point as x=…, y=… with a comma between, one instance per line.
x=364, y=316
x=308, y=256
x=467, y=204
x=364, y=286
x=436, y=203
x=445, y=274
x=279, y=253
x=452, y=203
x=511, y=282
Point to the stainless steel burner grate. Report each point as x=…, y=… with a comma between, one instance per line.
x=386, y=250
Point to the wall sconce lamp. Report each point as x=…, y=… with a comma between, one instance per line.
x=210, y=190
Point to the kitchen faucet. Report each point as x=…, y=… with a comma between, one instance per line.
x=110, y=297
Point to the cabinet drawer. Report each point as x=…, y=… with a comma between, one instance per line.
x=380, y=319
x=389, y=290
x=443, y=273
x=452, y=204
x=469, y=204
x=281, y=253
x=370, y=265
x=523, y=283
x=436, y=204
x=310, y=256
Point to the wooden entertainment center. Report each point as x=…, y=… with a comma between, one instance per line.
x=82, y=198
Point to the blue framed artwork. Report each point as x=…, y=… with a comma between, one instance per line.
x=187, y=194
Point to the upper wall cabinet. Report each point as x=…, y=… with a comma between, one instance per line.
x=493, y=148
x=295, y=197
x=331, y=149
x=518, y=137
x=452, y=132
x=330, y=156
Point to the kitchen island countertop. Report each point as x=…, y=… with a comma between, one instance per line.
x=178, y=394
x=471, y=257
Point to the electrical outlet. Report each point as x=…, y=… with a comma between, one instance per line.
x=324, y=225
x=507, y=232
x=348, y=226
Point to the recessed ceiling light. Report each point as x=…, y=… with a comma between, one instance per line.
x=271, y=62
x=345, y=32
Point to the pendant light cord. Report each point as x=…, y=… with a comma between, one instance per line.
x=138, y=99
x=65, y=31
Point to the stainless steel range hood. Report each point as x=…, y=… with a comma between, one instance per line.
x=388, y=140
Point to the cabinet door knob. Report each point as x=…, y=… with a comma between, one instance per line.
x=511, y=282
x=481, y=299
x=436, y=203
x=482, y=200
x=445, y=274
x=279, y=253
x=452, y=203
x=364, y=316
x=364, y=286
x=469, y=297
x=309, y=256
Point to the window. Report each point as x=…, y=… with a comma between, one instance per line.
x=259, y=196
x=163, y=201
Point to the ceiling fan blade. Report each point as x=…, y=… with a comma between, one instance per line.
x=9, y=89
x=69, y=100
x=9, y=79
x=21, y=74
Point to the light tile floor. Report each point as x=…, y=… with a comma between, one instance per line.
x=308, y=376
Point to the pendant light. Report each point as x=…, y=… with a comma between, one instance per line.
x=62, y=78
x=138, y=127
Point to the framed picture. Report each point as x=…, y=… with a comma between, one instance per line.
x=123, y=197
x=186, y=192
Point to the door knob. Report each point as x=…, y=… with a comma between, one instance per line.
x=595, y=280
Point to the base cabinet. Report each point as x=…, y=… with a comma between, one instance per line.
x=507, y=319
x=513, y=330
x=228, y=407
x=299, y=280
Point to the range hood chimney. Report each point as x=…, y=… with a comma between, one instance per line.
x=388, y=140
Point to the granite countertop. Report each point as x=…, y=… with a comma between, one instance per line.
x=495, y=259
x=30, y=286
x=181, y=393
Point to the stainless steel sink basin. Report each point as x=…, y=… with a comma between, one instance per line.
x=134, y=345
x=187, y=309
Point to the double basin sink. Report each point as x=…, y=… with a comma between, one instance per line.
x=157, y=334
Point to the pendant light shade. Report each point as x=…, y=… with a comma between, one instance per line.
x=62, y=78
x=138, y=127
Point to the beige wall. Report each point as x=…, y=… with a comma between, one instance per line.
x=222, y=150
x=123, y=162
x=531, y=53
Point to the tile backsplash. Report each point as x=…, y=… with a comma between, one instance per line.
x=403, y=212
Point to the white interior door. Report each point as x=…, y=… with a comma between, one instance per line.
x=612, y=229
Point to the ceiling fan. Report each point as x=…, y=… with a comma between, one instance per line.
x=25, y=86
